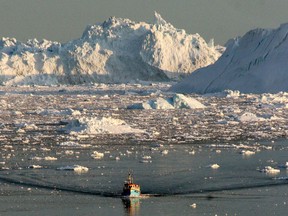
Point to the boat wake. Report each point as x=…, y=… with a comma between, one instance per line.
x=145, y=194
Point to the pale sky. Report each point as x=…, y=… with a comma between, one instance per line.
x=64, y=20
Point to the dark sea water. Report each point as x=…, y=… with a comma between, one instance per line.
x=178, y=181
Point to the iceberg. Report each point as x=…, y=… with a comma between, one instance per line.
x=116, y=51
x=93, y=125
x=178, y=101
x=254, y=63
x=181, y=101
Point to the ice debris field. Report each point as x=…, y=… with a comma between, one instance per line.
x=138, y=113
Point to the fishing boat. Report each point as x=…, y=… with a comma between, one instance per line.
x=131, y=189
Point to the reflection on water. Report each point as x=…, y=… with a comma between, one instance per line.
x=131, y=205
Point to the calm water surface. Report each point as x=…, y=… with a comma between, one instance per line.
x=172, y=182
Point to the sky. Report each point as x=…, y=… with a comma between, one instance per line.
x=64, y=20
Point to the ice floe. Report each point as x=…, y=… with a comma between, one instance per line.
x=36, y=158
x=247, y=152
x=192, y=152
x=75, y=168
x=74, y=144
x=97, y=155
x=164, y=152
x=178, y=101
x=47, y=158
x=270, y=170
x=214, y=166
x=194, y=205
x=99, y=125
x=145, y=161
x=69, y=152
x=146, y=157
x=35, y=167
x=250, y=117
x=47, y=112
x=45, y=149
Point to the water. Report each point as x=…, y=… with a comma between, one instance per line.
x=171, y=182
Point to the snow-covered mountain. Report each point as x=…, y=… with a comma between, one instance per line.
x=254, y=63
x=118, y=50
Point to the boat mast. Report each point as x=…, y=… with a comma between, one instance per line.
x=130, y=178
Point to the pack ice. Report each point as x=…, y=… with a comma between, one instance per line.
x=118, y=50
x=254, y=63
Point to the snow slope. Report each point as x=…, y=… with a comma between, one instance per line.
x=254, y=63
x=118, y=50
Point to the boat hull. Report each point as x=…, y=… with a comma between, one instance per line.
x=131, y=193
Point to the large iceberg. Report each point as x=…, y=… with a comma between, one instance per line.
x=254, y=63
x=118, y=50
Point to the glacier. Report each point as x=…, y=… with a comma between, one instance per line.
x=254, y=63
x=115, y=51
